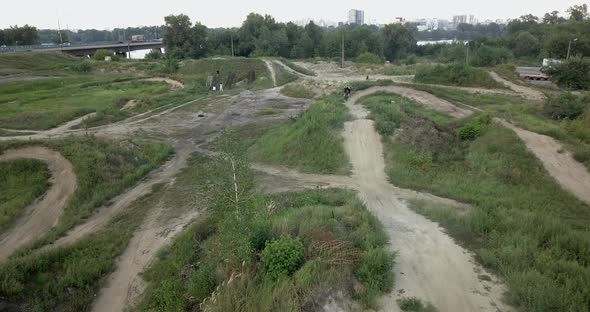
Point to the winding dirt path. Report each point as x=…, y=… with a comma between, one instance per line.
x=43, y=214
x=529, y=93
x=560, y=164
x=125, y=285
x=271, y=70
x=429, y=264
x=106, y=213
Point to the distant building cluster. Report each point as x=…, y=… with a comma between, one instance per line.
x=357, y=17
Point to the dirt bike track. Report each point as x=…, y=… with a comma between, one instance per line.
x=429, y=264
x=44, y=213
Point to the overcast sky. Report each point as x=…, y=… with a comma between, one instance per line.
x=108, y=14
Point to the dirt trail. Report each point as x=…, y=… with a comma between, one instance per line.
x=125, y=285
x=43, y=214
x=429, y=264
x=560, y=164
x=174, y=84
x=527, y=92
x=104, y=214
x=271, y=70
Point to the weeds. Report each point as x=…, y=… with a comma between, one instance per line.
x=311, y=142
x=20, y=183
x=297, y=91
x=456, y=75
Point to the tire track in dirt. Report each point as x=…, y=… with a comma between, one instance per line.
x=44, y=213
x=429, y=264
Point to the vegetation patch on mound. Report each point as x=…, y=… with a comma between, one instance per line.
x=298, y=91
x=297, y=68
x=310, y=142
x=457, y=75
x=104, y=168
x=253, y=252
x=21, y=182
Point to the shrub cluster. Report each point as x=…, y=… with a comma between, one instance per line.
x=573, y=74
x=456, y=75
x=474, y=128
x=566, y=106
x=282, y=257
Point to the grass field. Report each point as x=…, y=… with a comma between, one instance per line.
x=20, y=183
x=310, y=142
x=104, y=168
x=522, y=225
x=39, y=63
x=331, y=236
x=44, y=104
x=457, y=75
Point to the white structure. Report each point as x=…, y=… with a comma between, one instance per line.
x=356, y=17
x=459, y=19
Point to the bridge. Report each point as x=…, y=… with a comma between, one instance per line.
x=120, y=48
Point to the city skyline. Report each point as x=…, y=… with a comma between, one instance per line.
x=71, y=16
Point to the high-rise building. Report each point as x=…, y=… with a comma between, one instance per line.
x=356, y=17
x=459, y=19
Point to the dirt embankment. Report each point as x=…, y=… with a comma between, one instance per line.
x=45, y=212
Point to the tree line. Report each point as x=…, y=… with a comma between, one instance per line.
x=15, y=35
x=528, y=37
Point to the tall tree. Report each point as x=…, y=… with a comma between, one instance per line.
x=578, y=12
x=553, y=18
x=397, y=40
x=178, y=35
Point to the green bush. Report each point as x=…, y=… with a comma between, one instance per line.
x=474, y=128
x=490, y=56
x=154, y=55
x=282, y=257
x=369, y=58
x=565, y=106
x=573, y=74
x=100, y=54
x=456, y=75
x=82, y=67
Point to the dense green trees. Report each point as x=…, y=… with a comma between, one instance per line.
x=25, y=35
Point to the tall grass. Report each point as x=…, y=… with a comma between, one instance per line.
x=68, y=278
x=310, y=142
x=523, y=225
x=298, y=91
x=44, y=104
x=20, y=183
x=217, y=261
x=40, y=63
x=456, y=75
x=104, y=168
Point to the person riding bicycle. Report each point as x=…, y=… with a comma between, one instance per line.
x=347, y=91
